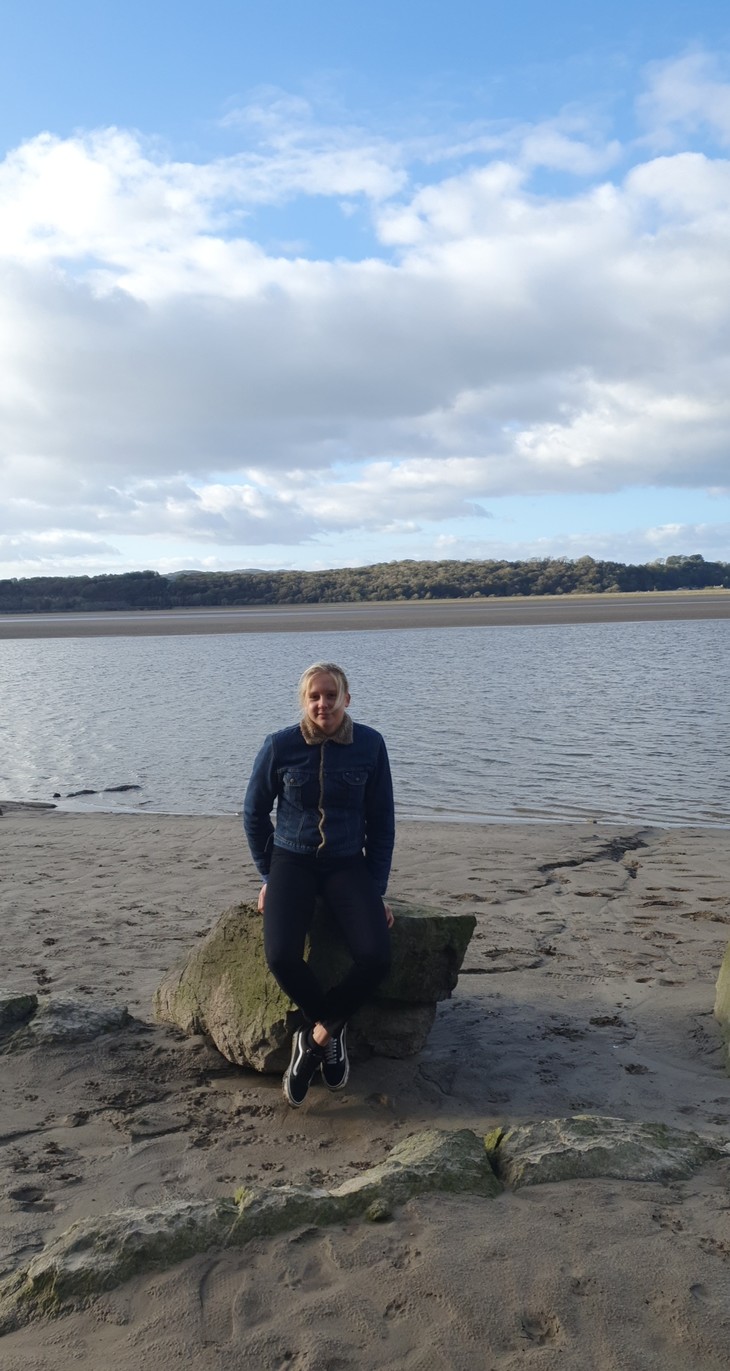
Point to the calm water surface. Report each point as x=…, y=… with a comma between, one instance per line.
x=612, y=721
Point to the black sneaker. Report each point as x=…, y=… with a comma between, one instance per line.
x=305, y=1062
x=335, y=1064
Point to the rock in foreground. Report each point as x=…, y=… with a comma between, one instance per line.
x=225, y=990
x=48, y=1020
x=99, y=1253
x=588, y=1147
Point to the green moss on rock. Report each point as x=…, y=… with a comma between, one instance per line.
x=588, y=1146
x=96, y=1254
x=225, y=990
x=492, y=1141
x=378, y=1212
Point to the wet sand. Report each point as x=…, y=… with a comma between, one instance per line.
x=323, y=618
x=588, y=987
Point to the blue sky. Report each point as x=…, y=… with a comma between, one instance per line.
x=321, y=284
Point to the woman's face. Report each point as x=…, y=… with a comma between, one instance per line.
x=322, y=707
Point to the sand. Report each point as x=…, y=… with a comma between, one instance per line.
x=322, y=618
x=588, y=986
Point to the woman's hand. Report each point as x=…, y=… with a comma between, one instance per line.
x=261, y=899
x=389, y=919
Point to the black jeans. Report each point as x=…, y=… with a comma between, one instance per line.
x=347, y=888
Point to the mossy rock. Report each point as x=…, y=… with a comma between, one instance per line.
x=99, y=1253
x=589, y=1146
x=225, y=990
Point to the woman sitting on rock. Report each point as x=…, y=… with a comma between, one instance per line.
x=334, y=834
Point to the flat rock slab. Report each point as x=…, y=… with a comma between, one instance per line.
x=62, y=1020
x=225, y=990
x=99, y=1253
x=588, y=1146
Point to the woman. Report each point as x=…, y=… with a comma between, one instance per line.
x=334, y=834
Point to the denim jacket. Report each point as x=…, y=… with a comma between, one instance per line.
x=333, y=795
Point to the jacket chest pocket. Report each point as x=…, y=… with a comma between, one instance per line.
x=300, y=788
x=347, y=788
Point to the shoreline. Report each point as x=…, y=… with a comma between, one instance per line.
x=513, y=611
x=448, y=820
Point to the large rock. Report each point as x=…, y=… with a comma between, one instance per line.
x=225, y=990
x=588, y=1147
x=101, y=1252
x=722, y=999
x=58, y=1019
x=96, y=1254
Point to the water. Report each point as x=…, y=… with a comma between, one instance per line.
x=608, y=721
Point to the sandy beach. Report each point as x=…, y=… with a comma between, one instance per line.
x=322, y=618
x=588, y=987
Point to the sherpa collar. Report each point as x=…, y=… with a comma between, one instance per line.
x=314, y=735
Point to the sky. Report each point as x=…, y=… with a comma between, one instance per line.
x=320, y=284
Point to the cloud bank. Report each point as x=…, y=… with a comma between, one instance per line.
x=539, y=310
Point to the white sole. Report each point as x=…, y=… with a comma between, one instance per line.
x=295, y=1104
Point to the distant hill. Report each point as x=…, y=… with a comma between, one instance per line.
x=238, y=571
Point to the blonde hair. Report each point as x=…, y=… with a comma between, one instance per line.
x=320, y=669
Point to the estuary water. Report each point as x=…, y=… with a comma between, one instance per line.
x=612, y=721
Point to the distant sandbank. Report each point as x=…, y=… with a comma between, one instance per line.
x=323, y=618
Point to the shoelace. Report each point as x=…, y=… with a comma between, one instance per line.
x=330, y=1052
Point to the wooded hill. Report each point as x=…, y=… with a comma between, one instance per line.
x=385, y=581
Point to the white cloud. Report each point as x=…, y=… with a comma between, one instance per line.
x=297, y=153
x=687, y=95
x=163, y=375
x=54, y=551
x=555, y=145
x=625, y=428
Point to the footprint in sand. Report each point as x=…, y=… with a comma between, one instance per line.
x=217, y=1292
x=31, y=1198
x=249, y=1306
x=666, y=1220
x=716, y=1247
x=395, y=1309
x=540, y=1327
x=582, y=1285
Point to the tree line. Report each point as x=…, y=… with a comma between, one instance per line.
x=406, y=580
